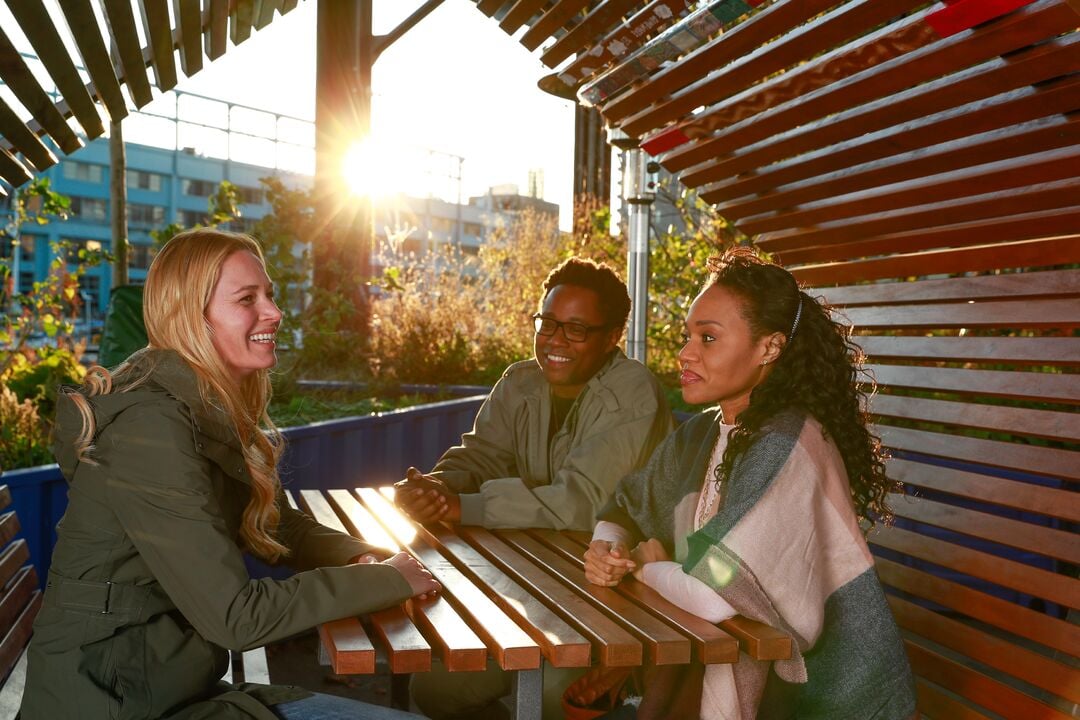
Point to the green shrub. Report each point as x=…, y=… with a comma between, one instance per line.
x=23, y=439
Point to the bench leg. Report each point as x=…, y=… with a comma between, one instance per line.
x=527, y=694
x=399, y=690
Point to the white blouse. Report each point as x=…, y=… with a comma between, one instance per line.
x=667, y=577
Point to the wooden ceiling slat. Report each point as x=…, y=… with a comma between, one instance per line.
x=1052, y=59
x=13, y=171
x=241, y=17
x=189, y=22
x=1014, y=108
x=1017, y=141
x=266, y=13
x=741, y=40
x=622, y=41
x=1045, y=196
x=84, y=29
x=217, y=31
x=41, y=31
x=17, y=75
x=125, y=39
x=1027, y=226
x=757, y=116
x=158, y=30
x=787, y=52
x=14, y=131
x=489, y=7
x=520, y=13
x=1048, y=252
x=596, y=24
x=1048, y=166
x=552, y=20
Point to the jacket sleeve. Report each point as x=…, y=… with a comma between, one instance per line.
x=160, y=489
x=616, y=442
x=313, y=545
x=487, y=451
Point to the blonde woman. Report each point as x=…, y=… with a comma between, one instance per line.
x=171, y=462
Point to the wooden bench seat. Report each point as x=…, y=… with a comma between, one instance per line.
x=20, y=600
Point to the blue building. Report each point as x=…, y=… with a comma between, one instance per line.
x=163, y=186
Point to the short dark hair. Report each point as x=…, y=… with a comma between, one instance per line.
x=598, y=277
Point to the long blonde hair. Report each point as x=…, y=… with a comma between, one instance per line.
x=178, y=289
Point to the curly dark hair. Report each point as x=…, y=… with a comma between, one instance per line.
x=817, y=373
x=598, y=277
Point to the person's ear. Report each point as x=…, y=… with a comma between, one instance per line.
x=774, y=345
x=613, y=337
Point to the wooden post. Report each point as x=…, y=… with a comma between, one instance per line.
x=118, y=204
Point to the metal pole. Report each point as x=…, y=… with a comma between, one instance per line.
x=638, y=194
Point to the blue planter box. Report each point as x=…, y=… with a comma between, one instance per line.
x=349, y=452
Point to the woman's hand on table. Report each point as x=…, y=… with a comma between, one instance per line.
x=606, y=563
x=420, y=580
x=651, y=550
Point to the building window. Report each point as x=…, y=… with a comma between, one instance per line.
x=27, y=248
x=140, y=256
x=242, y=225
x=190, y=218
x=139, y=214
x=92, y=209
x=249, y=195
x=84, y=172
x=90, y=291
x=198, y=188
x=142, y=180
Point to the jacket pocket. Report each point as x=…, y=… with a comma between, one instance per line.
x=155, y=668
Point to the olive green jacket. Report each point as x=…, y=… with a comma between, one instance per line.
x=508, y=474
x=148, y=587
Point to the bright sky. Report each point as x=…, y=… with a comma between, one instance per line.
x=455, y=83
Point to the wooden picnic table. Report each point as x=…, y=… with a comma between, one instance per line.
x=517, y=596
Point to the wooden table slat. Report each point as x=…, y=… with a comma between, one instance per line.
x=406, y=648
x=561, y=644
x=756, y=639
x=711, y=644
x=442, y=624
x=349, y=647
x=662, y=644
x=614, y=646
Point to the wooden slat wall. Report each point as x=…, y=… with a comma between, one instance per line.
x=977, y=394
x=193, y=31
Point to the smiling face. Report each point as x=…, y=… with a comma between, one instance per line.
x=566, y=365
x=721, y=361
x=243, y=316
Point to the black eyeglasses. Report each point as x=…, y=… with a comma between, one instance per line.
x=574, y=332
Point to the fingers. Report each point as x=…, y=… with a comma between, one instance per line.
x=603, y=566
x=421, y=582
x=423, y=506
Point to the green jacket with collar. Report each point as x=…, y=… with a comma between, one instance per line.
x=148, y=587
x=508, y=474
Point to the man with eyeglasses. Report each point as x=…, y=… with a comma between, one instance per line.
x=558, y=431
x=546, y=450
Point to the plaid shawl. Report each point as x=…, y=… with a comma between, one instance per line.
x=785, y=549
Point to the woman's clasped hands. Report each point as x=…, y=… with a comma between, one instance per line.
x=606, y=563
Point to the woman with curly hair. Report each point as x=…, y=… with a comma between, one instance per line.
x=171, y=462
x=762, y=503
